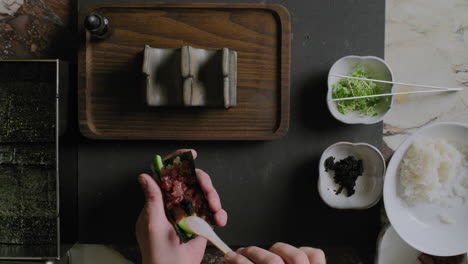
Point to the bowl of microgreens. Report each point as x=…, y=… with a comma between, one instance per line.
x=367, y=110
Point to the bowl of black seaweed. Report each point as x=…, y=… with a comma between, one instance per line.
x=351, y=175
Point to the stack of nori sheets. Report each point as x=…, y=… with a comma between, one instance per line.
x=28, y=203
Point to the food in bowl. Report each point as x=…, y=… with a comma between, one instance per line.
x=433, y=170
x=181, y=191
x=419, y=224
x=351, y=87
x=346, y=173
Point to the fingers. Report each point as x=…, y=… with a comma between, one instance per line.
x=290, y=254
x=279, y=253
x=315, y=255
x=154, y=200
x=261, y=256
x=152, y=217
x=149, y=187
x=205, y=181
x=234, y=258
x=210, y=192
x=180, y=151
x=220, y=218
x=220, y=215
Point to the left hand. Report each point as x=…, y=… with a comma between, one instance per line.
x=158, y=241
x=279, y=253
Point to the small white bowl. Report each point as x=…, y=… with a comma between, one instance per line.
x=378, y=69
x=368, y=186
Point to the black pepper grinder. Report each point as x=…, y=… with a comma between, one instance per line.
x=97, y=25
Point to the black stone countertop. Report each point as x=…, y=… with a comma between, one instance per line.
x=267, y=187
x=322, y=32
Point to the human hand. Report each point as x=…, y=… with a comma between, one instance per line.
x=158, y=241
x=279, y=253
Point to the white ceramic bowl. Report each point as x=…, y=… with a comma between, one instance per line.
x=368, y=186
x=378, y=69
x=420, y=225
x=391, y=249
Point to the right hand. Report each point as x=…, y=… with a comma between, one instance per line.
x=279, y=253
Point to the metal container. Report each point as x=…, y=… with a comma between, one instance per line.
x=38, y=202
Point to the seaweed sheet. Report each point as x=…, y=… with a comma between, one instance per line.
x=186, y=156
x=28, y=212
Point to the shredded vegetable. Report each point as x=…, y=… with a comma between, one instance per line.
x=350, y=88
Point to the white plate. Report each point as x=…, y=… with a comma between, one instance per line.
x=391, y=249
x=420, y=225
x=368, y=186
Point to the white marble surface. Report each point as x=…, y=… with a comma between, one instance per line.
x=426, y=42
x=9, y=7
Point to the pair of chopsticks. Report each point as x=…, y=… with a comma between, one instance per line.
x=437, y=89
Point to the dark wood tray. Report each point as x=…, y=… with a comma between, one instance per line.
x=111, y=103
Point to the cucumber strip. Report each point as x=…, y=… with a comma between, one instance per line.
x=182, y=226
x=184, y=236
x=157, y=166
x=158, y=162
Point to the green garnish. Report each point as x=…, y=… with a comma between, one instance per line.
x=158, y=162
x=182, y=226
x=351, y=88
x=156, y=167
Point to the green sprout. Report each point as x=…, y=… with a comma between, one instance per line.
x=351, y=88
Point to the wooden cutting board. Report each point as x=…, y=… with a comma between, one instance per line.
x=110, y=94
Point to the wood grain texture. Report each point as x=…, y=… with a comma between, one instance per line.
x=110, y=94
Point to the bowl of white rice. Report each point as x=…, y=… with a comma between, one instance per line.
x=426, y=189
